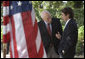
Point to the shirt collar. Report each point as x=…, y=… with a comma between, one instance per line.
x=45, y=22
x=67, y=21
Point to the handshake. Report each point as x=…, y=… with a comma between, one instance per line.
x=58, y=35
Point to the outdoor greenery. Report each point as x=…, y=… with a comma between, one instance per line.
x=55, y=7
x=80, y=44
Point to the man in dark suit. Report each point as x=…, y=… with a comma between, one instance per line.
x=69, y=37
x=48, y=28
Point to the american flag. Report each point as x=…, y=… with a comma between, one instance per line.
x=21, y=29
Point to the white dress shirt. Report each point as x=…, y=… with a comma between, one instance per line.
x=47, y=25
x=67, y=22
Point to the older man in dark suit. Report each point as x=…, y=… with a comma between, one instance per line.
x=69, y=37
x=48, y=28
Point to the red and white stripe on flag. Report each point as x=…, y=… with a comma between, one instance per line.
x=22, y=31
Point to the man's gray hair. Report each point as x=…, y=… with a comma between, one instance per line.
x=43, y=12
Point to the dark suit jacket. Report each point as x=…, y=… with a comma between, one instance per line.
x=56, y=27
x=69, y=39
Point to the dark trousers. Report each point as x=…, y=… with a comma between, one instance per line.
x=8, y=47
x=66, y=56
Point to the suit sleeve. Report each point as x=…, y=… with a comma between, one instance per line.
x=60, y=27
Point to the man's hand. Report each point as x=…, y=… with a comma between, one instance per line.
x=58, y=36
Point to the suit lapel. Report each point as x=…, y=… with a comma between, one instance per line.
x=66, y=28
x=67, y=25
x=45, y=28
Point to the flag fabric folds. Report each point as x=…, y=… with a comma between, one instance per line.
x=21, y=29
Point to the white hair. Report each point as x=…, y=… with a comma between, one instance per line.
x=43, y=12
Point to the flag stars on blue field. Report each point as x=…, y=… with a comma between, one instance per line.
x=19, y=3
x=11, y=7
x=20, y=6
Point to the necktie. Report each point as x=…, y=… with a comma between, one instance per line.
x=49, y=30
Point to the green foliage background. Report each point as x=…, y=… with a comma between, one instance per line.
x=54, y=7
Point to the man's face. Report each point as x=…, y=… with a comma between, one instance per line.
x=65, y=17
x=47, y=18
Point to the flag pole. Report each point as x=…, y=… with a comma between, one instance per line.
x=4, y=50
